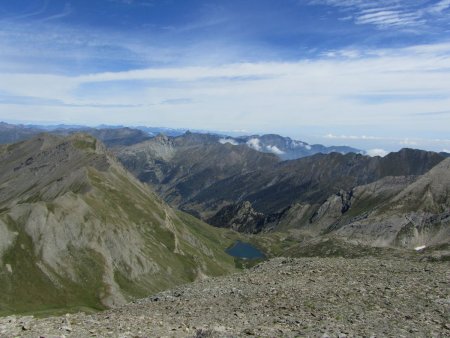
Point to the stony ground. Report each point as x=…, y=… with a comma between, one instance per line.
x=306, y=297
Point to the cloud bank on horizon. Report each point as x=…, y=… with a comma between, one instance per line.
x=376, y=71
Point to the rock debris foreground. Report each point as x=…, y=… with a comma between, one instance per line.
x=283, y=297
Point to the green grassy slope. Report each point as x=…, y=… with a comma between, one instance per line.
x=84, y=234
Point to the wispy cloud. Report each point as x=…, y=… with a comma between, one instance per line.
x=352, y=137
x=380, y=98
x=439, y=7
x=432, y=113
x=41, y=9
x=48, y=102
x=388, y=14
x=146, y=3
x=177, y=101
x=264, y=95
x=66, y=11
x=408, y=142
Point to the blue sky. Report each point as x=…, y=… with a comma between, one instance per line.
x=372, y=74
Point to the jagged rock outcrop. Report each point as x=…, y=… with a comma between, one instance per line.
x=240, y=217
x=400, y=211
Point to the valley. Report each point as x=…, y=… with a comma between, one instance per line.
x=225, y=168
x=88, y=226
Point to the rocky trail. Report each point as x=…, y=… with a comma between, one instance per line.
x=283, y=297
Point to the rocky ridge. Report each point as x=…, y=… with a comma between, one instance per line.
x=79, y=231
x=237, y=187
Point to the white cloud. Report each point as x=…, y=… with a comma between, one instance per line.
x=408, y=142
x=299, y=144
x=388, y=14
x=446, y=151
x=439, y=7
x=228, y=140
x=388, y=18
x=352, y=137
x=254, y=143
x=377, y=152
x=275, y=150
x=305, y=93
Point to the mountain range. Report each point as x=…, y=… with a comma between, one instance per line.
x=235, y=186
x=91, y=218
x=284, y=147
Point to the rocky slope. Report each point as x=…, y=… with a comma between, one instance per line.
x=402, y=213
x=306, y=297
x=78, y=231
x=249, y=191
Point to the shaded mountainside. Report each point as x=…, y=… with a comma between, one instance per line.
x=179, y=168
x=312, y=179
x=237, y=187
x=77, y=230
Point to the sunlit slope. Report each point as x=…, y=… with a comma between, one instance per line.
x=77, y=230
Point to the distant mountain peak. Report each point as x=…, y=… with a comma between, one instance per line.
x=284, y=147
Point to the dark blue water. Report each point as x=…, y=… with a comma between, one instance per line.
x=244, y=250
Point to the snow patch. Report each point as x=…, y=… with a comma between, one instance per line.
x=275, y=150
x=377, y=152
x=228, y=140
x=419, y=248
x=254, y=143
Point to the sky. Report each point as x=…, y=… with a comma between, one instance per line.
x=369, y=74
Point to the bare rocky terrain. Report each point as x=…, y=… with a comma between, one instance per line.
x=283, y=297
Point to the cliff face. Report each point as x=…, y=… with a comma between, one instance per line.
x=78, y=230
x=406, y=211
